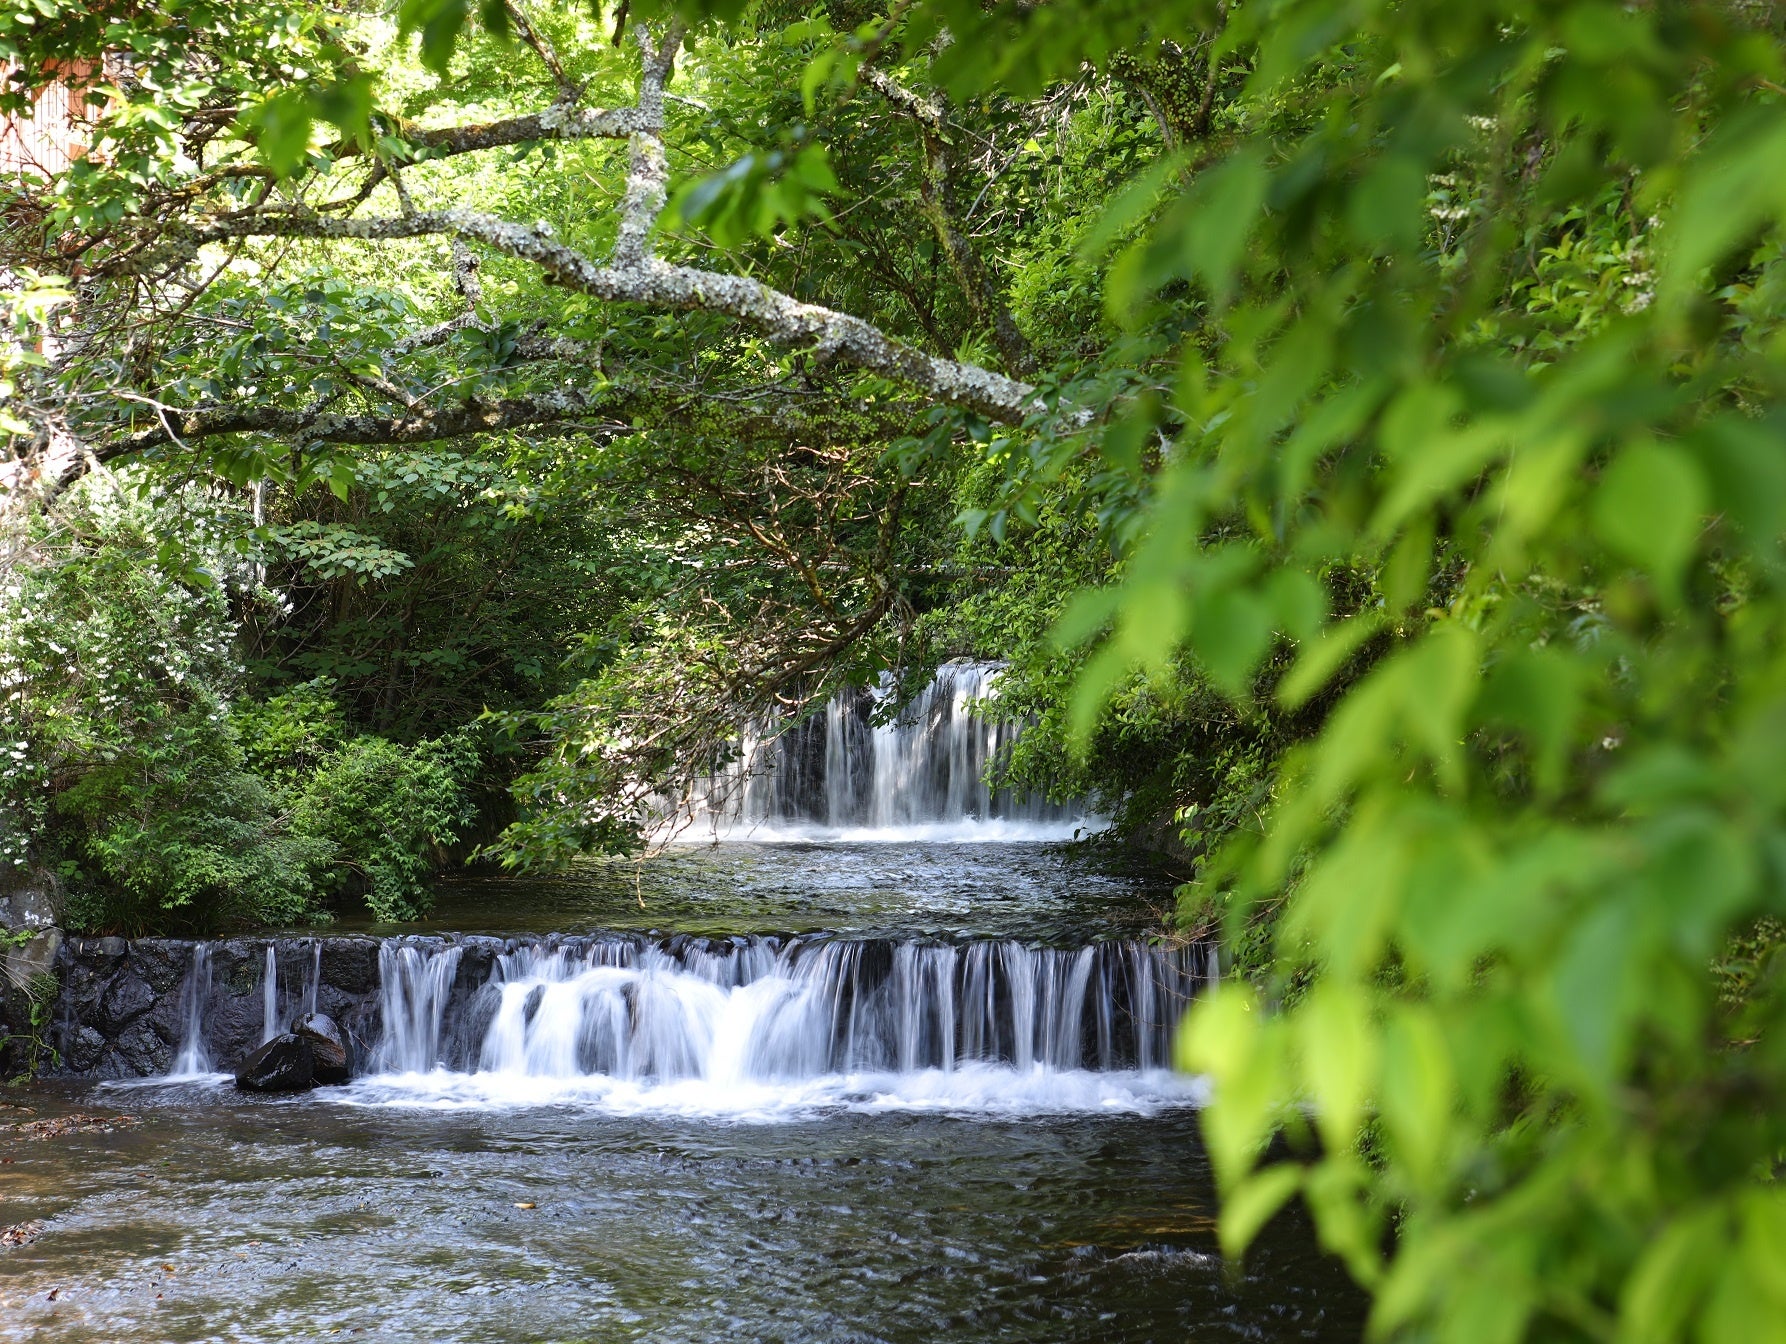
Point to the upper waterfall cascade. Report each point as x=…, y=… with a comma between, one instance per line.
x=918, y=775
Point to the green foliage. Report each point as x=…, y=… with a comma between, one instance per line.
x=382, y=814
x=167, y=799
x=385, y=809
x=26, y=313
x=759, y=194
x=36, y=996
x=121, y=757
x=154, y=857
x=283, y=68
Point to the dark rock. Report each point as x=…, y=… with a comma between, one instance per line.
x=113, y=1066
x=168, y=1018
x=284, y=1064
x=476, y=962
x=161, y=962
x=350, y=964
x=125, y=999
x=84, y=1048
x=233, y=1021
x=329, y=1046
x=143, y=1051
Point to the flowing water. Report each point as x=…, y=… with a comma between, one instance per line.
x=783, y=1089
x=863, y=771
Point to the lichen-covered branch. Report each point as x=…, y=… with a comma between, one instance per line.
x=633, y=273
x=648, y=171
x=650, y=281
x=318, y=425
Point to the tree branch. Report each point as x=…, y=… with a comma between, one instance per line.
x=542, y=47
x=633, y=273
x=318, y=425
x=937, y=199
x=655, y=283
x=648, y=172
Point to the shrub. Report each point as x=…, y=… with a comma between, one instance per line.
x=386, y=810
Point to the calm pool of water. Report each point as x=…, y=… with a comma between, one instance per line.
x=1061, y=893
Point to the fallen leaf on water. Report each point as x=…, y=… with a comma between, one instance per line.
x=21, y=1234
x=74, y=1124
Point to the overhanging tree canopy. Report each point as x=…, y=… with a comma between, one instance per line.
x=1442, y=409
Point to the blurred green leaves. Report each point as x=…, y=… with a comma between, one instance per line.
x=1474, y=463
x=758, y=195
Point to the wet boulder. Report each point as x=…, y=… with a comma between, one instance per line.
x=330, y=1048
x=126, y=998
x=83, y=1049
x=284, y=1064
x=143, y=1049
x=350, y=965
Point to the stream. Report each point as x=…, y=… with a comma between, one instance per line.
x=803, y=1085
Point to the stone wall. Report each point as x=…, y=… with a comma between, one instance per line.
x=124, y=1008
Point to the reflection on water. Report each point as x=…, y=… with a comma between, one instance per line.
x=1056, y=893
x=230, y=1219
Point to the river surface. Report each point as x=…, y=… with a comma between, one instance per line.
x=1055, y=892
x=982, y=1200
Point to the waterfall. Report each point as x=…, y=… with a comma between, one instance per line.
x=193, y=1059
x=414, y=989
x=854, y=773
x=783, y=1011
x=763, y=1026
x=269, y=997
x=315, y=980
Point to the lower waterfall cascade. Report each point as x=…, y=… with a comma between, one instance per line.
x=761, y=1024
x=919, y=775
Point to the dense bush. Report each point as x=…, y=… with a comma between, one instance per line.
x=134, y=765
x=385, y=810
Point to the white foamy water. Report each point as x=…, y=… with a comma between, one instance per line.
x=992, y=1091
x=853, y=774
x=766, y=1028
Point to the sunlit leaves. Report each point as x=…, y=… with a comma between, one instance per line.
x=439, y=23
x=1538, y=418
x=758, y=195
x=1732, y=192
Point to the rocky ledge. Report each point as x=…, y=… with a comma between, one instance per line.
x=126, y=1007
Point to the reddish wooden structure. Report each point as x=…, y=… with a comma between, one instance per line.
x=55, y=134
